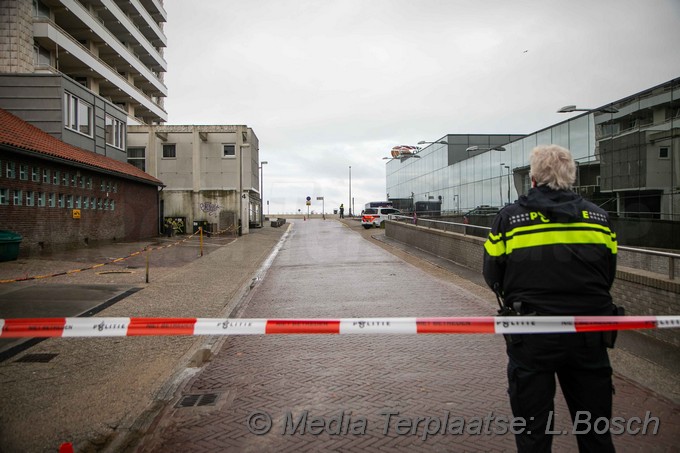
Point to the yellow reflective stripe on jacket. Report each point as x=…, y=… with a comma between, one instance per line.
x=567, y=226
x=495, y=246
x=550, y=234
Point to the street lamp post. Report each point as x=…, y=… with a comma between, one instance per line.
x=439, y=142
x=500, y=182
x=349, y=205
x=262, y=164
x=573, y=108
x=477, y=148
x=508, y=167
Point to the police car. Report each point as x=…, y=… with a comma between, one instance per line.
x=374, y=217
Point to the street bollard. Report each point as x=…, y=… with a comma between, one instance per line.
x=200, y=229
x=147, y=264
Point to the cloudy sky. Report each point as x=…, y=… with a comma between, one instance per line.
x=329, y=84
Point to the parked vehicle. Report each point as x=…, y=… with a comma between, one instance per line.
x=374, y=217
x=378, y=204
x=481, y=211
x=429, y=208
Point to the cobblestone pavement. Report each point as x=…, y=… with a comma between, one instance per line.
x=353, y=389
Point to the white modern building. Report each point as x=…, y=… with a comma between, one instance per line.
x=628, y=155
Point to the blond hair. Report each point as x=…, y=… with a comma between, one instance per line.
x=552, y=166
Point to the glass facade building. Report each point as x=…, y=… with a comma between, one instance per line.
x=628, y=161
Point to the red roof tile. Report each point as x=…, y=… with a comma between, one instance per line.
x=17, y=133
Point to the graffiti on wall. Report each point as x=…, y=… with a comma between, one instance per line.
x=210, y=208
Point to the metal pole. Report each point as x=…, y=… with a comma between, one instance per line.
x=500, y=183
x=349, y=205
x=262, y=164
x=508, y=167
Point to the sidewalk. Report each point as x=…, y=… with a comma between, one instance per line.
x=93, y=390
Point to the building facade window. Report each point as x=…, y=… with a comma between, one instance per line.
x=23, y=172
x=41, y=199
x=137, y=156
x=169, y=151
x=77, y=114
x=52, y=200
x=55, y=178
x=30, y=199
x=664, y=153
x=17, y=197
x=41, y=56
x=60, y=202
x=46, y=176
x=40, y=10
x=4, y=196
x=229, y=150
x=64, y=179
x=69, y=201
x=115, y=132
x=86, y=202
x=35, y=174
x=10, y=170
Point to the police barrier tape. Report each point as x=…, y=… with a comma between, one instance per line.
x=119, y=327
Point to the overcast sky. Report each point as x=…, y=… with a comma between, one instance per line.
x=329, y=84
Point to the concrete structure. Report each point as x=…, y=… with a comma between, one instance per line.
x=114, y=49
x=643, y=288
x=629, y=162
x=210, y=173
x=56, y=195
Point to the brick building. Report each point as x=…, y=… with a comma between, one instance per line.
x=55, y=194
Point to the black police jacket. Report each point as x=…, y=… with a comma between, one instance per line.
x=553, y=251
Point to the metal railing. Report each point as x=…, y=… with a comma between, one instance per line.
x=671, y=256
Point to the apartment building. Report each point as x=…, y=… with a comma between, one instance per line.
x=73, y=75
x=83, y=70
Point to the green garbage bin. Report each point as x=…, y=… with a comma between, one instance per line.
x=9, y=245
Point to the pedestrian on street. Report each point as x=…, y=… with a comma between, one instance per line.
x=553, y=253
x=342, y=211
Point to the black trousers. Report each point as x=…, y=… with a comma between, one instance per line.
x=582, y=366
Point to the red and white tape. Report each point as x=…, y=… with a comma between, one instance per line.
x=120, y=327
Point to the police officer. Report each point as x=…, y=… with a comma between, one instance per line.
x=554, y=253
